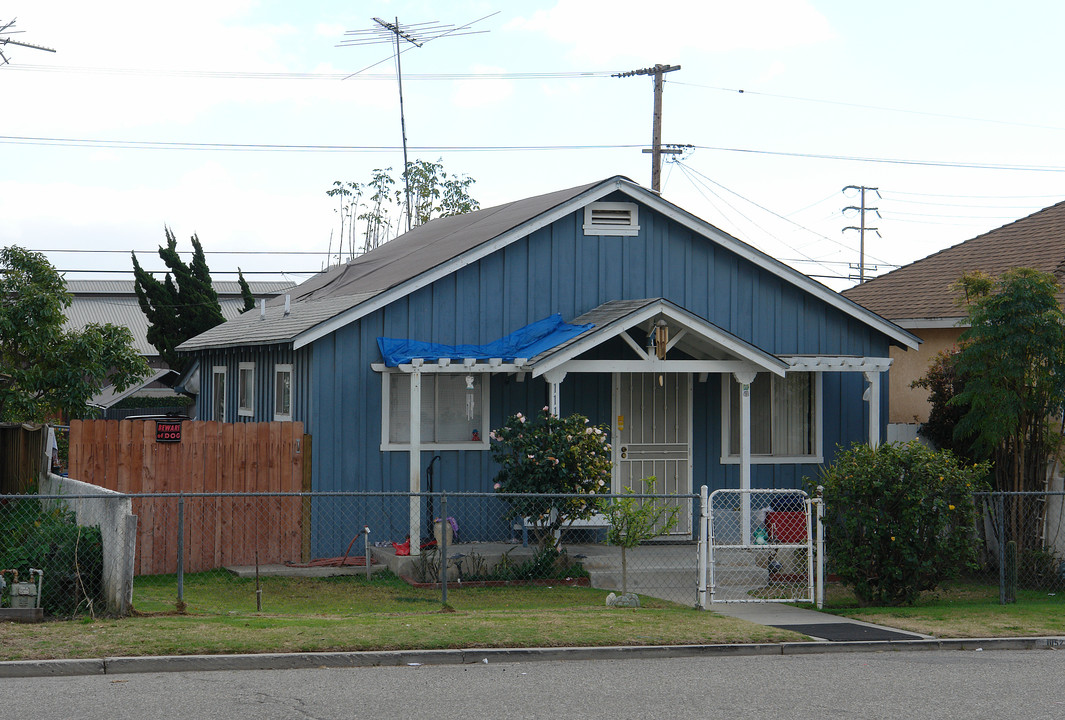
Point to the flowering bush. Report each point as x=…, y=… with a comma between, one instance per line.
x=551, y=456
x=900, y=519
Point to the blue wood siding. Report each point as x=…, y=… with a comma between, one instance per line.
x=558, y=269
x=265, y=358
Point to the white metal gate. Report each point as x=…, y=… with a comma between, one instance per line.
x=652, y=428
x=761, y=546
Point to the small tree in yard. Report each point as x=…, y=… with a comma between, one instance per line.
x=633, y=520
x=1013, y=360
x=46, y=370
x=900, y=519
x=551, y=456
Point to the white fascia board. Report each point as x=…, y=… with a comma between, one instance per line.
x=654, y=365
x=440, y=368
x=772, y=265
x=933, y=323
x=832, y=363
x=747, y=353
x=454, y=265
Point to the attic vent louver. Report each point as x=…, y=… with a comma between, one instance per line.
x=611, y=218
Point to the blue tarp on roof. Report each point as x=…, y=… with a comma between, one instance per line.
x=527, y=342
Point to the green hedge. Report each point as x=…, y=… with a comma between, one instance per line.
x=70, y=555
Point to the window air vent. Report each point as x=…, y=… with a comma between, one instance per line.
x=611, y=218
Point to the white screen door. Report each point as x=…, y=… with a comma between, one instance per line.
x=652, y=431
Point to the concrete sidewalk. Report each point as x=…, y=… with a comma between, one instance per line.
x=397, y=658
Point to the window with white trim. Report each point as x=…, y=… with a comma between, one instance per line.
x=611, y=218
x=246, y=389
x=283, y=392
x=218, y=393
x=785, y=418
x=454, y=414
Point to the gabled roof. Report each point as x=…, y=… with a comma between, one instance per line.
x=701, y=339
x=921, y=290
x=443, y=246
x=115, y=302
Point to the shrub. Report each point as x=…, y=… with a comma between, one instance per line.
x=70, y=555
x=900, y=519
x=551, y=456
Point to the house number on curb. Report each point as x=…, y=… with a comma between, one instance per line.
x=167, y=431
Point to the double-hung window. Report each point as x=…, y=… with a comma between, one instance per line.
x=785, y=418
x=246, y=389
x=218, y=393
x=454, y=411
x=282, y=392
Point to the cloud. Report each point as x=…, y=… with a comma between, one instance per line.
x=600, y=31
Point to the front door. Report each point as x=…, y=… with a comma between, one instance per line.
x=652, y=436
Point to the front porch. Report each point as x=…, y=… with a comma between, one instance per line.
x=665, y=365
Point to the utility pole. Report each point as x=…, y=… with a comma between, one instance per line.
x=656, y=150
x=862, y=227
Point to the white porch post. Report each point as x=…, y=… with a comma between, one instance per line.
x=554, y=381
x=415, y=457
x=873, y=396
x=745, y=378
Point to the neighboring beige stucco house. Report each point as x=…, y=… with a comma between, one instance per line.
x=918, y=297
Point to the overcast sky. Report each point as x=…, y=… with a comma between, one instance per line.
x=951, y=109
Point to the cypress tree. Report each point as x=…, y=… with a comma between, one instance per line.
x=245, y=292
x=181, y=306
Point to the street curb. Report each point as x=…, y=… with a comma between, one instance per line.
x=396, y=658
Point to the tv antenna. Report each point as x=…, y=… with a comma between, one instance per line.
x=5, y=30
x=412, y=35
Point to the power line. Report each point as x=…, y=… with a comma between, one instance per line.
x=891, y=161
x=190, y=252
x=213, y=272
x=873, y=107
x=267, y=147
x=972, y=197
x=239, y=75
x=687, y=171
x=778, y=215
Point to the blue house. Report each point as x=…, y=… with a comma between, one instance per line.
x=711, y=362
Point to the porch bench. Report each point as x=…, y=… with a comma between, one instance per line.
x=599, y=521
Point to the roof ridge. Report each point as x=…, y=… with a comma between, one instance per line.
x=975, y=238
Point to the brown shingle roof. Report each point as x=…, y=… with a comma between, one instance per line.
x=922, y=288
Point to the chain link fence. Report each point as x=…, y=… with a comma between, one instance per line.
x=214, y=552
x=760, y=549
x=1022, y=537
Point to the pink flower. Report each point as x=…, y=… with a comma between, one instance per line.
x=497, y=486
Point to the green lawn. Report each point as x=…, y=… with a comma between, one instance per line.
x=351, y=613
x=963, y=610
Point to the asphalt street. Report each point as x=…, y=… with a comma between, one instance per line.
x=940, y=684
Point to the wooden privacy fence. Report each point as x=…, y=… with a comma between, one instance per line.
x=211, y=457
x=21, y=456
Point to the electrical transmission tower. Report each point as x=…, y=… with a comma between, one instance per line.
x=416, y=34
x=5, y=31
x=656, y=151
x=862, y=209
